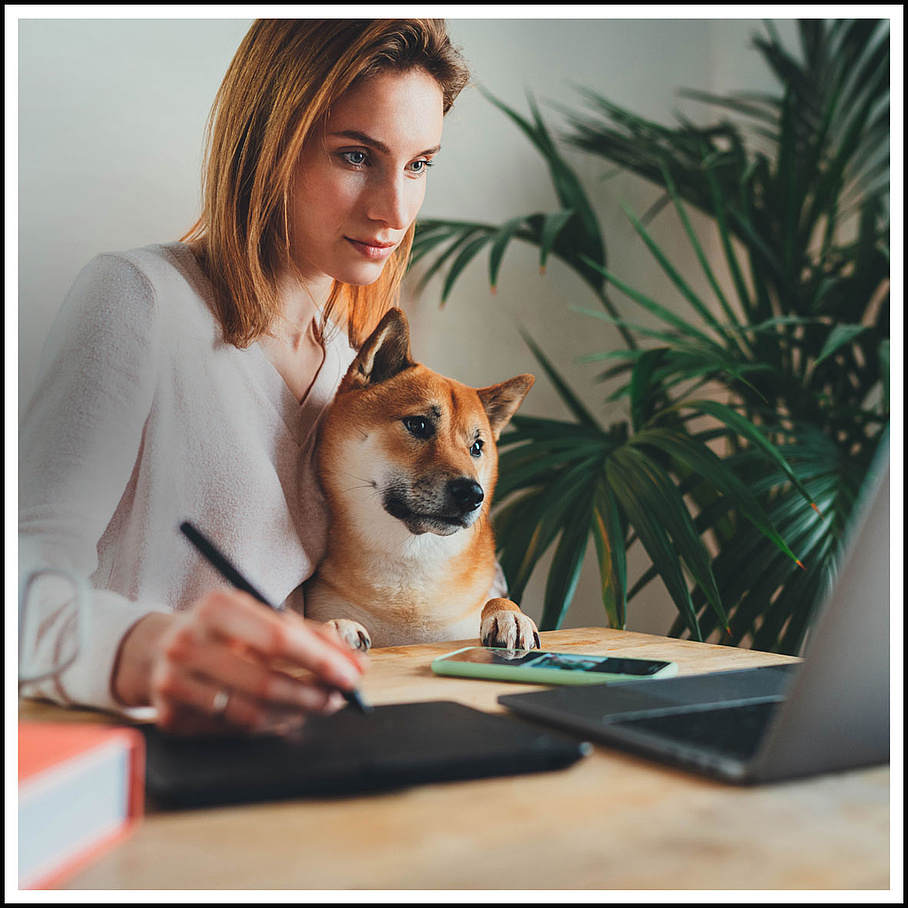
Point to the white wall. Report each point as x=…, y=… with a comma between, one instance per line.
x=110, y=120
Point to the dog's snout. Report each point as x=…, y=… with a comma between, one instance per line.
x=465, y=493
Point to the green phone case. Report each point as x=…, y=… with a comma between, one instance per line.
x=529, y=675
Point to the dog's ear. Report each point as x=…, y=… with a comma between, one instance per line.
x=385, y=353
x=501, y=401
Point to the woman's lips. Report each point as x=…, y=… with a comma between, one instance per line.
x=372, y=249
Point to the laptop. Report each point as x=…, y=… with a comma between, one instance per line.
x=829, y=712
x=392, y=747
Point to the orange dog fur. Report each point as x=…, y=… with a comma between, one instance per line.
x=408, y=462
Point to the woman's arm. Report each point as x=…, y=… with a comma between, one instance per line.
x=78, y=443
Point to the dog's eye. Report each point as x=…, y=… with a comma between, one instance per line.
x=476, y=448
x=418, y=426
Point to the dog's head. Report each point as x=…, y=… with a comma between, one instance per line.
x=417, y=445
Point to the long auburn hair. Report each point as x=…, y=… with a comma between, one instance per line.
x=278, y=90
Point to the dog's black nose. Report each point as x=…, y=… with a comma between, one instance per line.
x=465, y=493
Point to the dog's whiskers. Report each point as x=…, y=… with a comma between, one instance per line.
x=364, y=485
x=361, y=483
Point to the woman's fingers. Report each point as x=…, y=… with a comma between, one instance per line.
x=178, y=695
x=187, y=701
x=275, y=635
x=195, y=650
x=218, y=666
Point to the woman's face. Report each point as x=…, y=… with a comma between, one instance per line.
x=360, y=185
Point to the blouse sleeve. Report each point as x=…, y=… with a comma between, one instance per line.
x=79, y=440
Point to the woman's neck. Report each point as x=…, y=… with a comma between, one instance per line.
x=302, y=303
x=294, y=344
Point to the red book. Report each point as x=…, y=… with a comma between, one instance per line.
x=81, y=788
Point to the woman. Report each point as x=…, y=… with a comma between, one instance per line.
x=186, y=381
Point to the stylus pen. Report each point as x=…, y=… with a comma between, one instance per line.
x=220, y=562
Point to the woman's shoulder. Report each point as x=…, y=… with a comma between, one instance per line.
x=147, y=269
x=140, y=282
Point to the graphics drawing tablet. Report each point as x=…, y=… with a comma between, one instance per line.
x=394, y=746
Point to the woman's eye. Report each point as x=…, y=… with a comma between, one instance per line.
x=418, y=426
x=420, y=167
x=476, y=448
x=356, y=158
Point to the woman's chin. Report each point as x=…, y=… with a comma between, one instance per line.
x=360, y=277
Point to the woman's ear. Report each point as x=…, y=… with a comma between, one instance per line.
x=385, y=353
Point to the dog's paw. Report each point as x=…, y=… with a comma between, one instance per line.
x=507, y=627
x=352, y=633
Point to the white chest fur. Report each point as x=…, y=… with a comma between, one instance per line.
x=400, y=586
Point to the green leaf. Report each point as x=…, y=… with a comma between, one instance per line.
x=726, y=240
x=462, y=235
x=704, y=462
x=649, y=304
x=656, y=484
x=542, y=515
x=532, y=463
x=701, y=257
x=430, y=235
x=643, y=510
x=551, y=228
x=567, y=186
x=840, y=336
x=696, y=303
x=749, y=431
x=608, y=536
x=466, y=255
x=884, y=371
x=567, y=561
x=642, y=386
x=496, y=252
x=541, y=427
x=670, y=337
x=570, y=399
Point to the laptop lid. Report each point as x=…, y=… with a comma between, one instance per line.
x=837, y=714
x=834, y=710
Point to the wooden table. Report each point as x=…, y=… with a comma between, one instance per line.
x=611, y=822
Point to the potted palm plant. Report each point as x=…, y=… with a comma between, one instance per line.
x=753, y=414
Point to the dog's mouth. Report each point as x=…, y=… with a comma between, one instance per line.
x=439, y=522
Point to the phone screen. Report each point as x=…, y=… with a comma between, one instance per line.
x=561, y=661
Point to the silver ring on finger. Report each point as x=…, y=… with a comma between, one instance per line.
x=221, y=699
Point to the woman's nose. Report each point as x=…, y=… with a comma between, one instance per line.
x=395, y=201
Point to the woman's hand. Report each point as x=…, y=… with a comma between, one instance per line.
x=229, y=663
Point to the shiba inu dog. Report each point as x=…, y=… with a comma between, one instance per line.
x=408, y=462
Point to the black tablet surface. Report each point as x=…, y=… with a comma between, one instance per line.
x=394, y=746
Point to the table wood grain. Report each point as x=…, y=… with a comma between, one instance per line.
x=611, y=822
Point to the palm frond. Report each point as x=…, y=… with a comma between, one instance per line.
x=753, y=410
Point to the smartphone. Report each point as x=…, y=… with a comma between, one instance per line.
x=539, y=667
